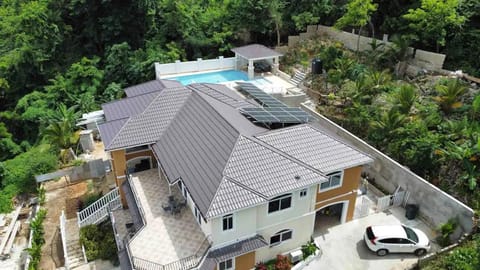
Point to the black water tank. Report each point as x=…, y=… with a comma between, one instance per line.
x=317, y=66
x=411, y=211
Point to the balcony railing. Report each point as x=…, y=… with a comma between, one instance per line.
x=99, y=210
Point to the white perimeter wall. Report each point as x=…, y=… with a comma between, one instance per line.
x=200, y=65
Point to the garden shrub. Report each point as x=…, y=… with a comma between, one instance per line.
x=309, y=249
x=35, y=251
x=99, y=242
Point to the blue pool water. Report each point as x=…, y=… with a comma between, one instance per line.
x=212, y=77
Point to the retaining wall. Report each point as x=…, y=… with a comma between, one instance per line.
x=421, y=58
x=436, y=206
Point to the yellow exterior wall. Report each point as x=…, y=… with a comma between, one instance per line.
x=351, y=181
x=119, y=163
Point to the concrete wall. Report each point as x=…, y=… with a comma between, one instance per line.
x=90, y=169
x=162, y=70
x=436, y=206
x=424, y=59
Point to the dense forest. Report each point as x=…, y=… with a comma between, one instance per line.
x=59, y=59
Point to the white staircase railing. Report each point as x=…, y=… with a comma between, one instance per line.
x=63, y=234
x=99, y=210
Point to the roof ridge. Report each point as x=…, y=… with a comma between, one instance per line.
x=127, y=97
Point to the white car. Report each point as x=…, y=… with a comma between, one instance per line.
x=396, y=238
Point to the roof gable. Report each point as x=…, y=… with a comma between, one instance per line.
x=127, y=107
x=267, y=172
x=147, y=127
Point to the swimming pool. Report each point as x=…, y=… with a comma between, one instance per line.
x=212, y=77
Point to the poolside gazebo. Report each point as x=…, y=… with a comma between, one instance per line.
x=255, y=52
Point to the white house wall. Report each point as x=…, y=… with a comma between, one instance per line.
x=256, y=220
x=302, y=229
x=244, y=225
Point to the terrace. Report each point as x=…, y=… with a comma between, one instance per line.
x=164, y=240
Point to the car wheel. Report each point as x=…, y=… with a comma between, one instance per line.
x=420, y=252
x=382, y=252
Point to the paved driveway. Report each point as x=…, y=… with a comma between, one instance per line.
x=344, y=249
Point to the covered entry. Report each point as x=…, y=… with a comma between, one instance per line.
x=329, y=216
x=256, y=53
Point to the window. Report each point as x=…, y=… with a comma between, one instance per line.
x=228, y=222
x=303, y=192
x=280, y=236
x=226, y=265
x=334, y=180
x=280, y=203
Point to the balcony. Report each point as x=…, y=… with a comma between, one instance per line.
x=165, y=241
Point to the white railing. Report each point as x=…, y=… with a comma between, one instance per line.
x=99, y=210
x=162, y=70
x=63, y=235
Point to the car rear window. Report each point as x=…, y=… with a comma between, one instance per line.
x=370, y=234
x=411, y=234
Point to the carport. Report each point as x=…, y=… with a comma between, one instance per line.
x=255, y=52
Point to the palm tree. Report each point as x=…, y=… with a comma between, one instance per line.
x=449, y=94
x=388, y=123
x=404, y=97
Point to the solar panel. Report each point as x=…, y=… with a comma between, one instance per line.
x=261, y=97
x=277, y=115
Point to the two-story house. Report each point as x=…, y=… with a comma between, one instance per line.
x=253, y=173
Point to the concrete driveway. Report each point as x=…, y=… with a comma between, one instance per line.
x=344, y=249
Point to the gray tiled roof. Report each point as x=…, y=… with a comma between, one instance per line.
x=238, y=248
x=151, y=86
x=226, y=162
x=316, y=148
x=231, y=197
x=196, y=147
x=127, y=107
x=221, y=93
x=147, y=127
x=255, y=51
x=109, y=130
x=266, y=171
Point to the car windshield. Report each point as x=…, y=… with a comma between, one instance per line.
x=411, y=234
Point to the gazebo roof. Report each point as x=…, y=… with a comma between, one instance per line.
x=256, y=51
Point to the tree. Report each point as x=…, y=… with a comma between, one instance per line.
x=432, y=20
x=275, y=9
x=357, y=15
x=303, y=19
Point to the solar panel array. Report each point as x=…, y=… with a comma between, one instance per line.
x=261, y=97
x=279, y=115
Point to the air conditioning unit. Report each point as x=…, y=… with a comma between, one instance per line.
x=295, y=256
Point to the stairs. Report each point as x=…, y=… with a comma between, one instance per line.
x=298, y=78
x=74, y=254
x=100, y=209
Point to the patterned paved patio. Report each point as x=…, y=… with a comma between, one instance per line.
x=165, y=238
